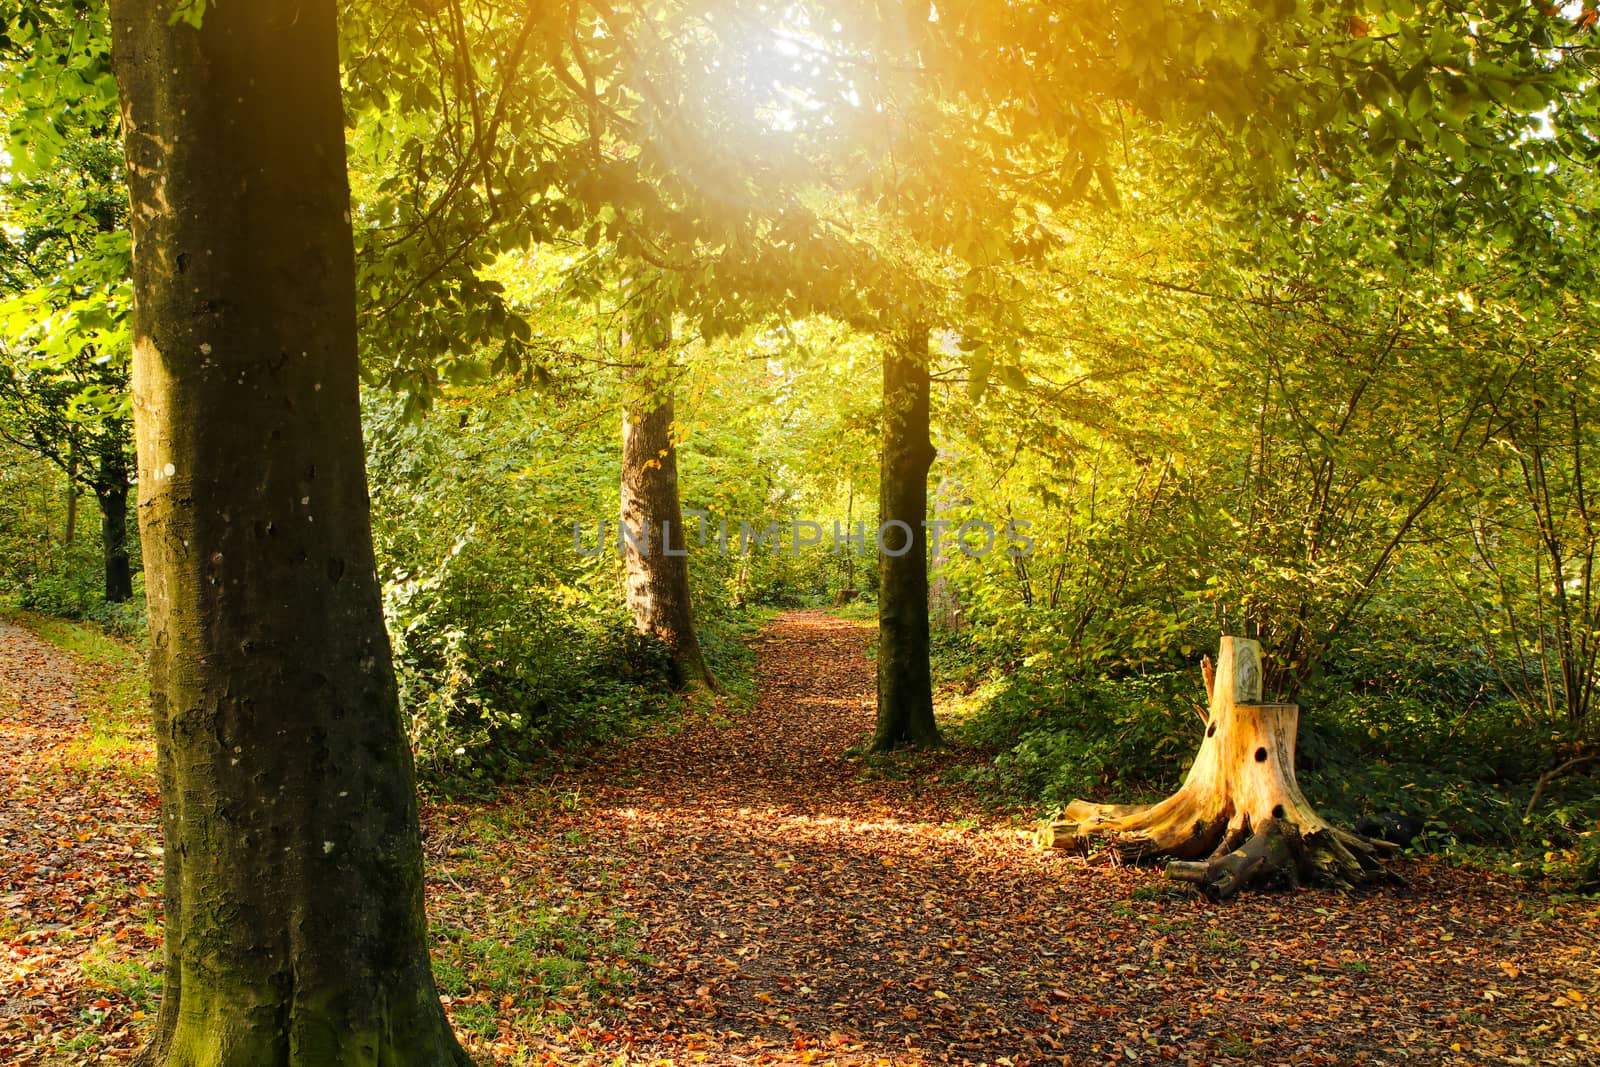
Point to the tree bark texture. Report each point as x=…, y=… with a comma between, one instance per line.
x=905, y=686
x=655, y=556
x=295, y=934
x=1240, y=815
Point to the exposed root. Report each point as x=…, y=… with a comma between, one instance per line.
x=1267, y=851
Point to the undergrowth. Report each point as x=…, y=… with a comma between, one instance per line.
x=1466, y=772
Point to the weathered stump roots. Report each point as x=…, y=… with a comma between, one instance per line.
x=1239, y=817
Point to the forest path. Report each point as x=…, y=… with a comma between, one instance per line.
x=38, y=696
x=77, y=856
x=801, y=906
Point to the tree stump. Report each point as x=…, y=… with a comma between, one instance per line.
x=1240, y=816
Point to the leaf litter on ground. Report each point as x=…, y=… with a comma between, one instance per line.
x=736, y=890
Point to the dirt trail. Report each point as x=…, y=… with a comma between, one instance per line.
x=76, y=870
x=38, y=695
x=785, y=756
x=801, y=906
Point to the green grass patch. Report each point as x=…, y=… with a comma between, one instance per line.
x=732, y=658
x=128, y=982
x=113, y=693
x=82, y=640
x=525, y=966
x=862, y=608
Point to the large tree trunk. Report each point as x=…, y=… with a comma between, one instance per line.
x=655, y=556
x=1240, y=815
x=905, y=685
x=111, y=493
x=295, y=932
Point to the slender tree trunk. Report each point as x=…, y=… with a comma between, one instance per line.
x=905, y=686
x=111, y=493
x=655, y=555
x=46, y=500
x=295, y=934
x=70, y=533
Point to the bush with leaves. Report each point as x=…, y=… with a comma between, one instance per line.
x=1058, y=737
x=509, y=644
x=490, y=682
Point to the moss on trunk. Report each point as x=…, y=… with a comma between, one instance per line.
x=295, y=932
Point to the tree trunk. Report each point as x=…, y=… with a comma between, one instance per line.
x=1240, y=815
x=70, y=533
x=111, y=493
x=655, y=555
x=295, y=934
x=905, y=685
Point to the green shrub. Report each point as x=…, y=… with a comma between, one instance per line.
x=766, y=579
x=490, y=681
x=509, y=644
x=64, y=580
x=127, y=619
x=1058, y=738
x=1561, y=840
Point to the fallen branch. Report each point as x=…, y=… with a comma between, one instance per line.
x=1549, y=776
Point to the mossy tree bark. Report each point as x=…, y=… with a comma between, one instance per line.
x=295, y=934
x=905, y=685
x=655, y=557
x=1240, y=815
